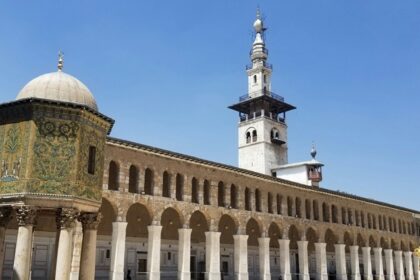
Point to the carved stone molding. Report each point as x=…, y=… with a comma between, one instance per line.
x=25, y=215
x=90, y=221
x=5, y=216
x=65, y=217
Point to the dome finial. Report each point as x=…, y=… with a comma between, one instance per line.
x=60, y=61
x=313, y=151
x=258, y=23
x=258, y=12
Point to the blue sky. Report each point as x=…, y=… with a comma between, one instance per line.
x=167, y=70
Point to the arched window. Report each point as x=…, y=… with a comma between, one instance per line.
x=325, y=212
x=374, y=221
x=257, y=200
x=369, y=216
x=350, y=216
x=357, y=218
x=298, y=205
x=133, y=179
x=247, y=200
x=221, y=194
x=206, y=192
x=248, y=137
x=334, y=214
x=270, y=203
x=255, y=79
x=179, y=191
x=362, y=219
x=194, y=190
x=279, y=204
x=316, y=210
x=380, y=222
x=233, y=196
x=384, y=224
x=275, y=134
x=148, y=181
x=308, y=209
x=254, y=136
x=166, y=186
x=343, y=216
x=289, y=206
x=113, y=176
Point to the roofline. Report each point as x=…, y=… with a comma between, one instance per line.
x=34, y=100
x=127, y=143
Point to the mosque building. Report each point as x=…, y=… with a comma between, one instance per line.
x=76, y=203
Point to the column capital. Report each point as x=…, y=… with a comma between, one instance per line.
x=408, y=253
x=90, y=221
x=25, y=215
x=65, y=217
x=5, y=216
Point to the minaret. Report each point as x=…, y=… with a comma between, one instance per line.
x=262, y=129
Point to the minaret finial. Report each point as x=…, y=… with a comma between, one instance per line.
x=258, y=12
x=313, y=151
x=60, y=61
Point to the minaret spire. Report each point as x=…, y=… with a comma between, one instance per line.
x=60, y=64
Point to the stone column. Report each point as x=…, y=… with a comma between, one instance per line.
x=66, y=218
x=408, y=265
x=264, y=254
x=379, y=267
x=241, y=256
x=153, y=251
x=5, y=216
x=303, y=260
x=354, y=259
x=389, y=265
x=367, y=264
x=340, y=261
x=212, y=255
x=118, y=250
x=321, y=261
x=22, y=264
x=184, y=253
x=399, y=266
x=90, y=222
x=416, y=265
x=77, y=251
x=285, y=259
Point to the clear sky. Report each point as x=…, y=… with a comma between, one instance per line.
x=167, y=70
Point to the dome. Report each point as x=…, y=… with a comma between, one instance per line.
x=58, y=86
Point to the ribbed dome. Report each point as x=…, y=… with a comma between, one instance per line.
x=58, y=86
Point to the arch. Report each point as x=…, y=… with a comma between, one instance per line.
x=403, y=246
x=275, y=134
x=109, y=215
x=194, y=190
x=138, y=218
x=343, y=216
x=394, y=245
x=315, y=207
x=274, y=233
x=179, y=187
x=289, y=206
x=312, y=238
x=350, y=216
x=380, y=222
x=360, y=241
x=308, y=209
x=221, y=194
x=384, y=243
x=348, y=240
x=334, y=212
x=254, y=136
x=248, y=137
x=325, y=212
x=166, y=184
x=298, y=206
x=247, y=199
x=206, y=192
x=253, y=231
x=412, y=246
x=171, y=222
x=199, y=225
x=227, y=227
x=133, y=179
x=357, y=216
x=331, y=239
x=233, y=196
x=270, y=202
x=257, y=200
x=279, y=204
x=294, y=237
x=372, y=242
x=148, y=181
x=113, y=176
x=362, y=219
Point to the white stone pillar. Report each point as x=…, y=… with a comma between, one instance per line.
x=153, y=251
x=354, y=260
x=212, y=255
x=399, y=265
x=416, y=265
x=408, y=265
x=285, y=259
x=389, y=265
x=5, y=215
x=321, y=261
x=264, y=254
x=367, y=264
x=118, y=250
x=23, y=252
x=77, y=251
x=184, y=253
x=90, y=222
x=340, y=261
x=66, y=218
x=379, y=267
x=303, y=260
x=241, y=256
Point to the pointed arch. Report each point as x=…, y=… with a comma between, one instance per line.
x=113, y=176
x=166, y=184
x=133, y=179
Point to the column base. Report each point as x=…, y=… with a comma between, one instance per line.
x=117, y=275
x=355, y=277
x=390, y=277
x=212, y=276
x=323, y=276
x=369, y=277
x=304, y=277
x=266, y=276
x=286, y=276
x=243, y=276
x=401, y=277
x=154, y=275
x=381, y=277
x=410, y=277
x=182, y=275
x=341, y=276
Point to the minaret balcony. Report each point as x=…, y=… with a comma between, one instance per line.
x=266, y=93
x=264, y=64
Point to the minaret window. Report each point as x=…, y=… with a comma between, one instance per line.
x=248, y=137
x=254, y=136
x=255, y=79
